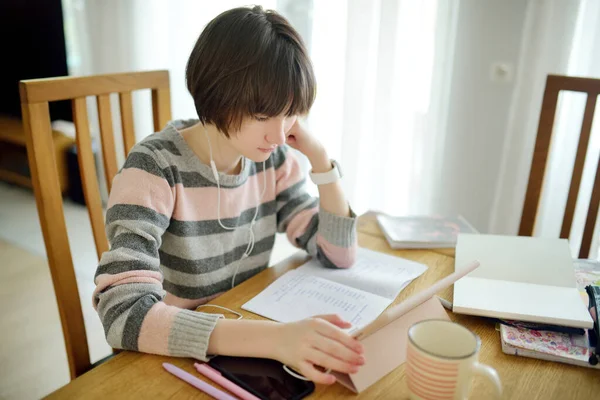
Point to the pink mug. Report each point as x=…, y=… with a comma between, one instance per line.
x=442, y=360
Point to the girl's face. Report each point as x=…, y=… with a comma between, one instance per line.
x=260, y=135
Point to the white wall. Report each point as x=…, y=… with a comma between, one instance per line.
x=487, y=32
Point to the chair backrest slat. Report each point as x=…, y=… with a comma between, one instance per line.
x=590, y=223
x=126, y=107
x=582, y=147
x=107, y=136
x=88, y=173
x=161, y=109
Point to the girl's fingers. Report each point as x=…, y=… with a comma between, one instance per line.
x=331, y=331
x=317, y=357
x=309, y=371
x=338, y=350
x=335, y=320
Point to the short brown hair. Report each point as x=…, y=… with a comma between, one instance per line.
x=249, y=61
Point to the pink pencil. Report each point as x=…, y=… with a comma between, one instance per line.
x=197, y=383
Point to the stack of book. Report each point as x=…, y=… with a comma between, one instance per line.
x=536, y=290
x=557, y=345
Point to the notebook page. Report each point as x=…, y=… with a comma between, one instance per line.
x=295, y=296
x=374, y=272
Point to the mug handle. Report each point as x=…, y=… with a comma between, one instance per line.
x=491, y=374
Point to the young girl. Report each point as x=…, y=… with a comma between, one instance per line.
x=196, y=207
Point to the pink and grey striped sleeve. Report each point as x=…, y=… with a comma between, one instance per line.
x=129, y=292
x=328, y=237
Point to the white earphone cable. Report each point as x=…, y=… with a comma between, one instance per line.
x=239, y=316
x=297, y=375
x=252, y=241
x=250, y=228
x=216, y=176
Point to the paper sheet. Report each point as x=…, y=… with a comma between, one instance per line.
x=374, y=272
x=295, y=296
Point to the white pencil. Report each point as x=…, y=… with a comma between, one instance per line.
x=415, y=300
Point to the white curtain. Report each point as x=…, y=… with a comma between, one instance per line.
x=385, y=79
x=560, y=38
x=382, y=69
x=383, y=74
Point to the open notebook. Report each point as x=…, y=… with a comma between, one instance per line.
x=358, y=294
x=520, y=278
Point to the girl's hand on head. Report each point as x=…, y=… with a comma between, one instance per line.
x=319, y=342
x=300, y=139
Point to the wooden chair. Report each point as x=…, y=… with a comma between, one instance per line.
x=554, y=84
x=35, y=96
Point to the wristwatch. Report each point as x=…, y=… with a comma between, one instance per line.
x=330, y=176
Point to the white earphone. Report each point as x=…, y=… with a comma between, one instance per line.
x=252, y=241
x=215, y=172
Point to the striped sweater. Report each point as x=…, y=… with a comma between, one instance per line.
x=168, y=253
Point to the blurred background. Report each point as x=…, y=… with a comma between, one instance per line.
x=430, y=106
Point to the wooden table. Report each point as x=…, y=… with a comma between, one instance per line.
x=136, y=375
